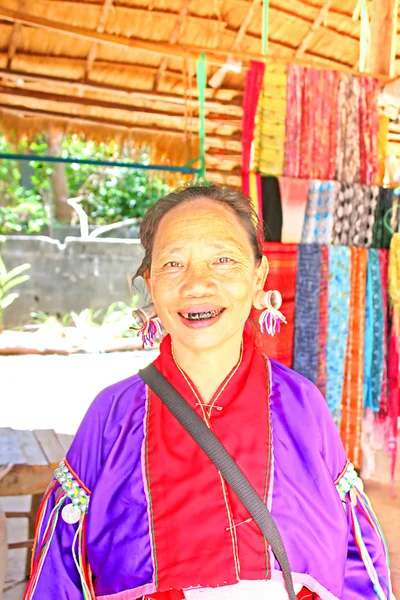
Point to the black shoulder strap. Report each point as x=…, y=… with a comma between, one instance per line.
x=224, y=463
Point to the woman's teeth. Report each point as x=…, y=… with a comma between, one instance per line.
x=202, y=316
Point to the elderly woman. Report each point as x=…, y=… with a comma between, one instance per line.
x=137, y=509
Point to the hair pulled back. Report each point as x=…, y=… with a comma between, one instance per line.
x=229, y=197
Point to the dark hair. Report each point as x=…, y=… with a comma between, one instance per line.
x=230, y=197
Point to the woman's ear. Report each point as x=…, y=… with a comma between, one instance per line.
x=262, y=273
x=146, y=277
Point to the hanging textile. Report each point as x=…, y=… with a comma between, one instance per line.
x=394, y=363
x=311, y=129
x=271, y=209
x=255, y=193
x=338, y=322
x=369, y=130
x=318, y=220
x=252, y=89
x=381, y=235
x=323, y=319
x=294, y=194
x=348, y=150
x=353, y=391
x=383, y=264
x=269, y=137
x=374, y=339
x=282, y=260
x=354, y=215
x=306, y=330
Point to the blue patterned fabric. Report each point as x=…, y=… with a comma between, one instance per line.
x=374, y=334
x=306, y=325
x=338, y=325
x=318, y=220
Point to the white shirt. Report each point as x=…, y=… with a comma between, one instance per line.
x=256, y=590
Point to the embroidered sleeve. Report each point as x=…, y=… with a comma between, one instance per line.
x=366, y=546
x=59, y=551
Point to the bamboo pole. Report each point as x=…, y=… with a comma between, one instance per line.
x=382, y=51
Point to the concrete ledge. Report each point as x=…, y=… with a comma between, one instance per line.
x=74, y=275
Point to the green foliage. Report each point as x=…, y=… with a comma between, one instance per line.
x=9, y=280
x=110, y=194
x=114, y=322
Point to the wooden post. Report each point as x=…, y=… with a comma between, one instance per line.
x=382, y=50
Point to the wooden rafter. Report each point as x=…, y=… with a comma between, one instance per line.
x=382, y=49
x=221, y=141
x=237, y=42
x=177, y=31
x=131, y=109
x=14, y=37
x=215, y=56
x=314, y=27
x=101, y=25
x=221, y=107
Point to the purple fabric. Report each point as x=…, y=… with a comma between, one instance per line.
x=308, y=457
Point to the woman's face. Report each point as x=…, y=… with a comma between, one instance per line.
x=204, y=276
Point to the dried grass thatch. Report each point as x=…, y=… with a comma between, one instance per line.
x=125, y=69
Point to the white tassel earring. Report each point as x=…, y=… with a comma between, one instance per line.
x=271, y=318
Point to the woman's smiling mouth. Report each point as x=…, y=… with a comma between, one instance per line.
x=197, y=319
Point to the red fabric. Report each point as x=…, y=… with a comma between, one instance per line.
x=394, y=400
x=294, y=195
x=383, y=261
x=304, y=594
x=179, y=474
x=282, y=260
x=252, y=89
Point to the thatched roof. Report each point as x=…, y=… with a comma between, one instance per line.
x=126, y=68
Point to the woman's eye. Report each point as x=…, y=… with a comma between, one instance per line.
x=224, y=259
x=173, y=263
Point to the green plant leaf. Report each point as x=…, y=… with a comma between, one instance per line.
x=7, y=300
x=13, y=282
x=15, y=272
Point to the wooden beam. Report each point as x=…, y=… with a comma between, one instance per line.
x=237, y=42
x=91, y=102
x=100, y=29
x=382, y=51
x=215, y=56
x=212, y=140
x=177, y=31
x=14, y=38
x=129, y=93
x=316, y=25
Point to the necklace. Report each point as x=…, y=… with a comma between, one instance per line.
x=218, y=394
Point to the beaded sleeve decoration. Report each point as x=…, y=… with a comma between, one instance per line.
x=351, y=492
x=72, y=502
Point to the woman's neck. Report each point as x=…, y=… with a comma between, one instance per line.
x=207, y=369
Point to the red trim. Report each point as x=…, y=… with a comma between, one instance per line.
x=338, y=478
x=77, y=477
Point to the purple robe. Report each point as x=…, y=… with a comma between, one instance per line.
x=331, y=543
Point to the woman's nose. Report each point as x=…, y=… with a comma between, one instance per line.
x=198, y=281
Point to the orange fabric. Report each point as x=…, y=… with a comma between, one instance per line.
x=353, y=391
x=383, y=135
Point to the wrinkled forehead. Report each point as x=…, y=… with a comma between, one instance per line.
x=198, y=222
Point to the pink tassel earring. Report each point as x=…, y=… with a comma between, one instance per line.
x=147, y=325
x=271, y=318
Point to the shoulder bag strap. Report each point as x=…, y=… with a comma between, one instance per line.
x=225, y=464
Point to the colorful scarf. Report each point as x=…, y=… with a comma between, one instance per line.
x=381, y=235
x=369, y=130
x=323, y=319
x=294, y=194
x=311, y=123
x=374, y=334
x=271, y=209
x=384, y=263
x=338, y=323
x=318, y=220
x=269, y=138
x=252, y=88
x=348, y=149
x=354, y=215
x=282, y=276
x=352, y=398
x=394, y=281
x=305, y=359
